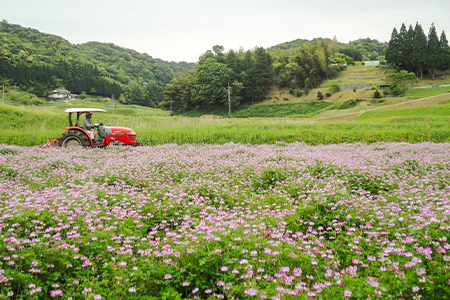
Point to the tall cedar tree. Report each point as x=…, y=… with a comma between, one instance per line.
x=419, y=51
x=392, y=53
x=433, y=50
x=405, y=48
x=445, y=56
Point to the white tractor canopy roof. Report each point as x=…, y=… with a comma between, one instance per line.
x=84, y=110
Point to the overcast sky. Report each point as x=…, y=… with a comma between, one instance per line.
x=181, y=30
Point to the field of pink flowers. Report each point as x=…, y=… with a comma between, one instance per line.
x=233, y=221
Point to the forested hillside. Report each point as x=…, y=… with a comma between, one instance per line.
x=358, y=50
x=251, y=74
x=38, y=63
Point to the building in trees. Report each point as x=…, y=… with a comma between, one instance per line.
x=59, y=94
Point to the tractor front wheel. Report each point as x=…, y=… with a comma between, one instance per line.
x=72, y=139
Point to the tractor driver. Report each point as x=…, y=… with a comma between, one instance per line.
x=89, y=127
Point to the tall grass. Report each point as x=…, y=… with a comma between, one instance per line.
x=33, y=126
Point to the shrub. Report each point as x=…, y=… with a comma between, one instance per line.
x=397, y=91
x=334, y=87
x=286, y=99
x=354, y=90
x=349, y=103
x=387, y=91
x=377, y=94
x=295, y=92
x=319, y=95
x=328, y=94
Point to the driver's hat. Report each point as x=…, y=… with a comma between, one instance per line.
x=88, y=114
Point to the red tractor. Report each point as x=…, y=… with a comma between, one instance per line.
x=75, y=135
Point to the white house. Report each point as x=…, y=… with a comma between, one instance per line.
x=62, y=94
x=372, y=63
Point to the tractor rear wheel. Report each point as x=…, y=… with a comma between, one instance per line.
x=73, y=138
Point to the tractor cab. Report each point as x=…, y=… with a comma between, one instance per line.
x=75, y=135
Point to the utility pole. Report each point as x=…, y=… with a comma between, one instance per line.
x=112, y=97
x=170, y=101
x=229, y=101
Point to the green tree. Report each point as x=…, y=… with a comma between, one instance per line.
x=445, y=54
x=333, y=86
x=393, y=51
x=122, y=99
x=433, y=51
x=403, y=79
x=419, y=54
x=82, y=95
x=211, y=83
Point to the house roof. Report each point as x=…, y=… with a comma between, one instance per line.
x=60, y=91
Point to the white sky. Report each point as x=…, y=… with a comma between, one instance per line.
x=181, y=30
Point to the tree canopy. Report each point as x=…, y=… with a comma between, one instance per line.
x=413, y=51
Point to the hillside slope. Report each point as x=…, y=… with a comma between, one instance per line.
x=38, y=62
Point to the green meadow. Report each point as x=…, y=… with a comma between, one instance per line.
x=31, y=126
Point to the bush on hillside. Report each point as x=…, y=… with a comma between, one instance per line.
x=333, y=86
x=377, y=94
x=319, y=95
x=349, y=103
x=397, y=91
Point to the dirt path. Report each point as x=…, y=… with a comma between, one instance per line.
x=432, y=100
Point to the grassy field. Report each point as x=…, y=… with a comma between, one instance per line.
x=33, y=126
x=344, y=117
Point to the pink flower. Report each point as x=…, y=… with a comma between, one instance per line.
x=311, y=294
x=195, y=290
x=314, y=263
x=132, y=289
x=168, y=276
x=251, y=292
x=123, y=264
x=297, y=272
x=378, y=293
x=186, y=283
x=56, y=293
x=98, y=297
x=347, y=293
x=224, y=269
x=221, y=283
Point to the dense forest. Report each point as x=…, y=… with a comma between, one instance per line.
x=411, y=50
x=251, y=74
x=38, y=63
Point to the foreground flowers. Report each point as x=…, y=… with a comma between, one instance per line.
x=281, y=221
